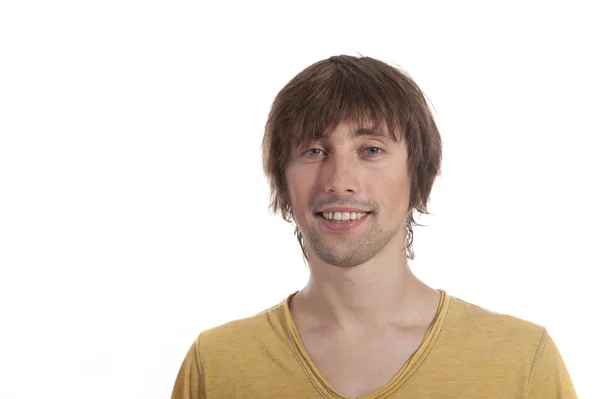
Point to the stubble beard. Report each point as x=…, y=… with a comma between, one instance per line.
x=349, y=253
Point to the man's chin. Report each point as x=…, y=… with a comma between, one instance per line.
x=340, y=257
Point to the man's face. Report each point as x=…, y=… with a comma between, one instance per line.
x=359, y=176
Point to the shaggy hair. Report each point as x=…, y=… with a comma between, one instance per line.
x=361, y=90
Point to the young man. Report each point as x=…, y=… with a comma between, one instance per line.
x=351, y=150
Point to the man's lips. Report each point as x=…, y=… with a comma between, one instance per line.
x=343, y=209
x=340, y=216
x=342, y=221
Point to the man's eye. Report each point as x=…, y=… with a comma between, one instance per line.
x=314, y=152
x=373, y=151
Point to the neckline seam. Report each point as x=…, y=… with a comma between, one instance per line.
x=297, y=351
x=397, y=381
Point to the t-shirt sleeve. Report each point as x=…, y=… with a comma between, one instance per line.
x=549, y=378
x=189, y=383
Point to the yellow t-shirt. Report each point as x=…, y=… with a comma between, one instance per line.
x=468, y=352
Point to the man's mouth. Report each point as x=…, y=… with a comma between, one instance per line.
x=342, y=216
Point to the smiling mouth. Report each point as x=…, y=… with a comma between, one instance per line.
x=342, y=216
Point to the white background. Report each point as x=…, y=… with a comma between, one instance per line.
x=133, y=208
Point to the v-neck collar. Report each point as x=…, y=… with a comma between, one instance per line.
x=407, y=370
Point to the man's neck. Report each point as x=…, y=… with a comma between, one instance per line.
x=376, y=294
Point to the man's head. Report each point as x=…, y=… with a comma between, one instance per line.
x=353, y=134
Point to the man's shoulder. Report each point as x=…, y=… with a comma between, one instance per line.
x=264, y=325
x=232, y=356
x=471, y=319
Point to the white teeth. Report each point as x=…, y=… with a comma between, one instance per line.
x=343, y=216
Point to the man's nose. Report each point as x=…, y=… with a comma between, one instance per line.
x=340, y=175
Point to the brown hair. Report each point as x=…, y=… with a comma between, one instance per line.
x=359, y=89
